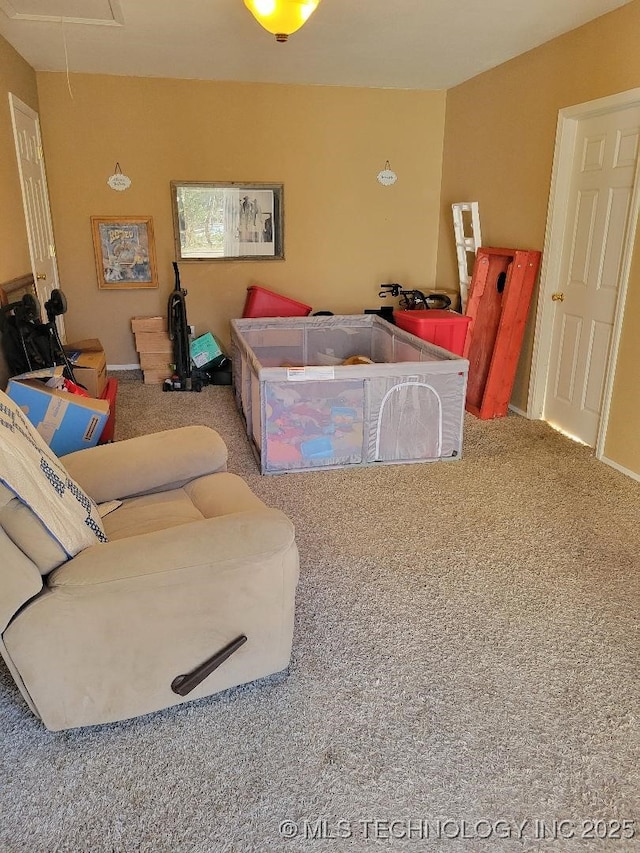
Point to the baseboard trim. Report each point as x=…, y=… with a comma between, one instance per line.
x=518, y=411
x=123, y=367
x=627, y=471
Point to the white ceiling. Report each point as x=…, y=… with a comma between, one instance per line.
x=408, y=44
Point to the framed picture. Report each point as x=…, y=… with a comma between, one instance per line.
x=125, y=252
x=228, y=221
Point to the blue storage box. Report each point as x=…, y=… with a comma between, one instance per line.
x=67, y=422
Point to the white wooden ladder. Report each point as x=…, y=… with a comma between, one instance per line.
x=466, y=243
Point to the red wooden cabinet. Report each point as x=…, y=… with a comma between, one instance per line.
x=499, y=299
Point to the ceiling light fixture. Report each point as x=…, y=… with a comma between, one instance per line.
x=281, y=17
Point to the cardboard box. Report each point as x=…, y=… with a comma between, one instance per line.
x=154, y=323
x=204, y=349
x=156, y=377
x=153, y=342
x=67, y=422
x=156, y=360
x=89, y=365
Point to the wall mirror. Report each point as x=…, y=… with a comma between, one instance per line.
x=228, y=221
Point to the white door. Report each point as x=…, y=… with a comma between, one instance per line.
x=35, y=199
x=601, y=186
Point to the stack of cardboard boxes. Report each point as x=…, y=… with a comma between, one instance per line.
x=154, y=348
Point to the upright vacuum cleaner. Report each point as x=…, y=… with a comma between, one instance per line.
x=185, y=378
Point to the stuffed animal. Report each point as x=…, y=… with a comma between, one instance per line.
x=357, y=359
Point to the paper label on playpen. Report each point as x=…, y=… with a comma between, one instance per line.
x=301, y=374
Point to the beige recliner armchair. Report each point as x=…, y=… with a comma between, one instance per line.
x=191, y=593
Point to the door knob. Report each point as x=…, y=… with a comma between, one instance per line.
x=41, y=276
x=557, y=297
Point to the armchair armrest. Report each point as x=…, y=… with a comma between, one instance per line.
x=147, y=463
x=203, y=548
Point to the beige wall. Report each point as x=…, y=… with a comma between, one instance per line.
x=498, y=150
x=345, y=234
x=18, y=77
x=623, y=437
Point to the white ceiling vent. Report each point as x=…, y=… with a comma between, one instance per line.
x=101, y=12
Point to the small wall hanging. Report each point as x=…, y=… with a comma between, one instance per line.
x=387, y=176
x=118, y=181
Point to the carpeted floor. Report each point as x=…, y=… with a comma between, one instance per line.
x=464, y=674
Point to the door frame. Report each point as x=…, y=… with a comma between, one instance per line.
x=563, y=156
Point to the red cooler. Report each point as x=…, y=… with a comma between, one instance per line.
x=446, y=329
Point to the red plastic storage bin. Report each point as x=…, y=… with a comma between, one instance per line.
x=444, y=328
x=110, y=393
x=265, y=303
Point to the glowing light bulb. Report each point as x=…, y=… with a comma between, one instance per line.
x=281, y=17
